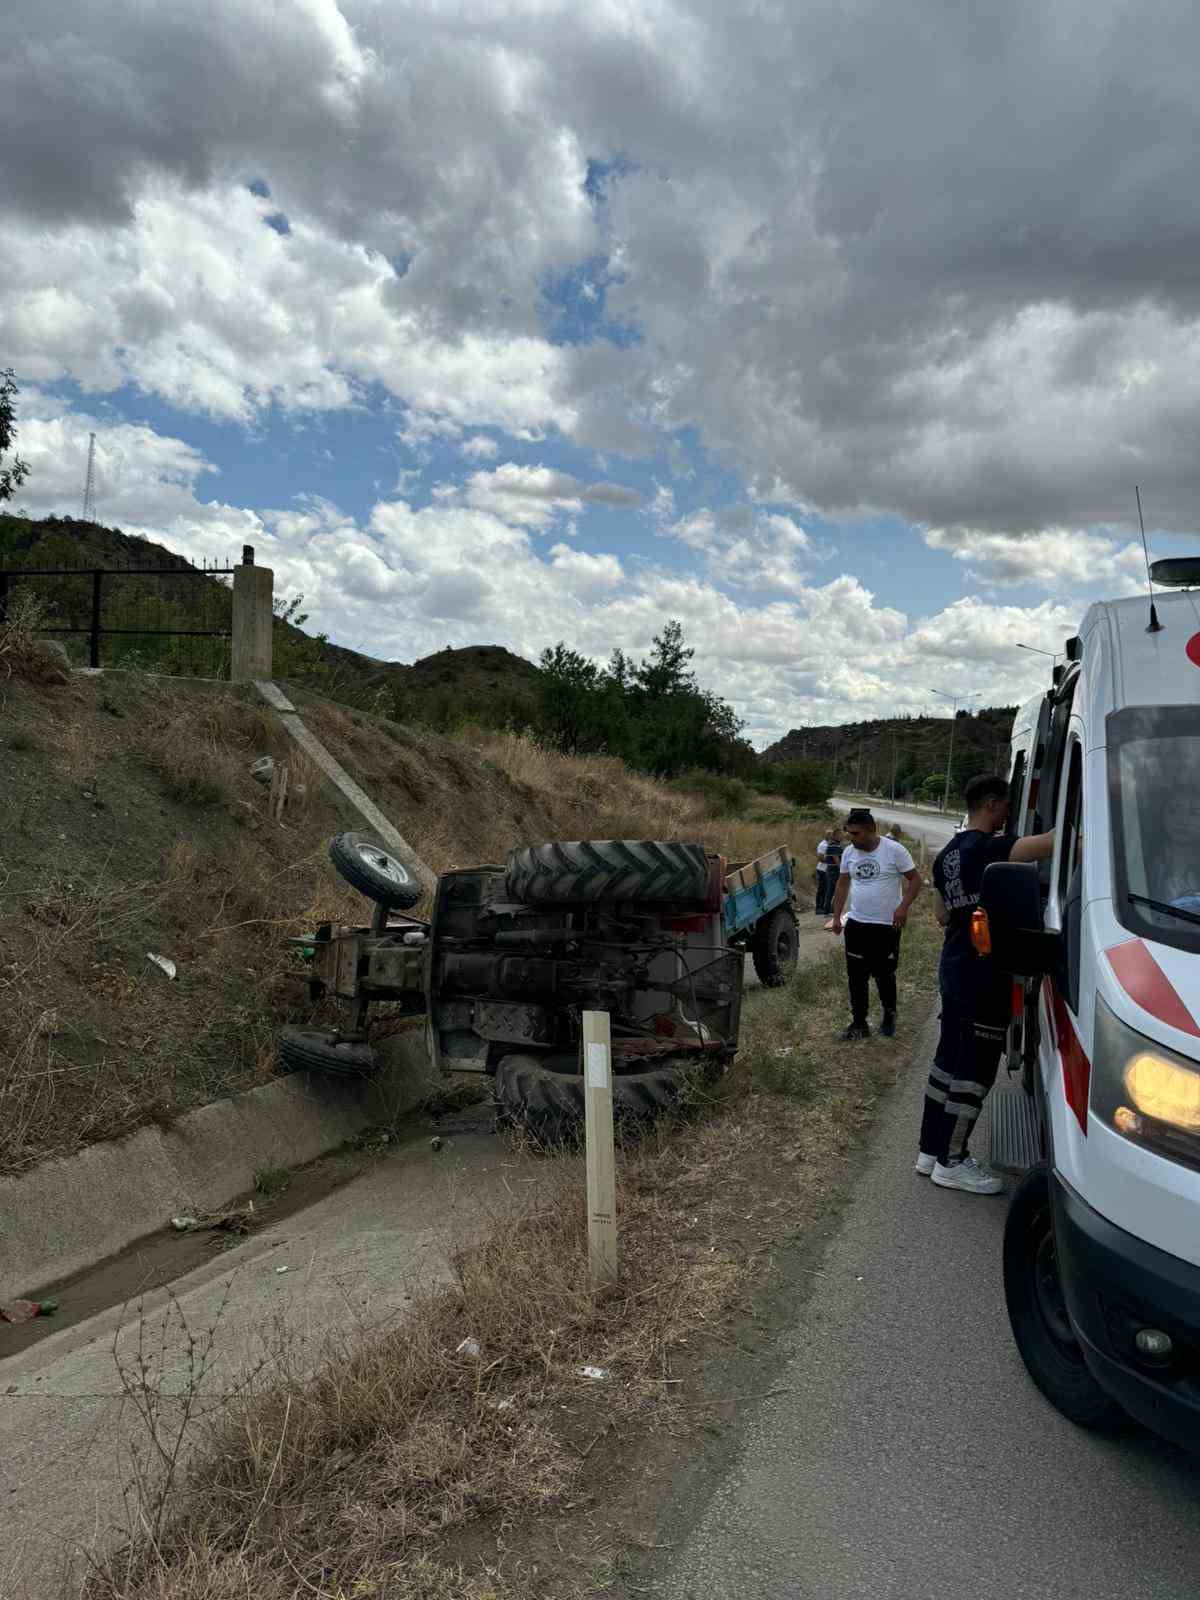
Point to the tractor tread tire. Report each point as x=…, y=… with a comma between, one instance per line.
x=550, y=1103
x=386, y=879
x=607, y=869
x=775, y=947
x=316, y=1050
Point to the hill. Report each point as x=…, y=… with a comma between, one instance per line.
x=487, y=682
x=484, y=682
x=653, y=713
x=901, y=753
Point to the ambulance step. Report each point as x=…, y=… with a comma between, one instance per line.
x=1015, y=1145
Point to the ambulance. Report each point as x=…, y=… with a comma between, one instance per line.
x=1102, y=1237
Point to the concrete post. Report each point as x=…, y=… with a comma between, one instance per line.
x=601, y=1155
x=253, y=620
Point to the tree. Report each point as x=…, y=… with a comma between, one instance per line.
x=804, y=783
x=14, y=474
x=296, y=655
x=570, y=695
x=665, y=670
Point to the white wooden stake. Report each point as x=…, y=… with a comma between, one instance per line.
x=601, y=1157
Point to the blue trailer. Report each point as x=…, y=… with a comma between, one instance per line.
x=758, y=914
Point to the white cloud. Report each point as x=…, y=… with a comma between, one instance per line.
x=1052, y=559
x=479, y=447
x=992, y=338
x=198, y=301
x=855, y=309
x=742, y=546
x=535, y=496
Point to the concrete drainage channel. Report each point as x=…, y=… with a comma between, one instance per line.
x=64, y=1216
x=347, y=1263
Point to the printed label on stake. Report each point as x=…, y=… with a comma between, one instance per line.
x=596, y=1065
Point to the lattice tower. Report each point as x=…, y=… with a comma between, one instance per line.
x=89, y=488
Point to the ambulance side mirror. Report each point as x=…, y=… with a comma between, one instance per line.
x=1012, y=899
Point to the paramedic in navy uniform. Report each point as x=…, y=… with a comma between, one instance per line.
x=976, y=997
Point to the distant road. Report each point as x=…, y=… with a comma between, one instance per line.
x=932, y=826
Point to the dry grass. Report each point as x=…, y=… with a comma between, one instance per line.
x=22, y=653
x=342, y=1480
x=599, y=797
x=49, y=1059
x=357, y=1479
x=93, y=1041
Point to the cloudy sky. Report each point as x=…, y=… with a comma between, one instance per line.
x=840, y=330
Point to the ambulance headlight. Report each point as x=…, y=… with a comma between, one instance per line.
x=1148, y=1093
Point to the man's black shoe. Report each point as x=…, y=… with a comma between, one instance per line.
x=856, y=1030
x=887, y=1027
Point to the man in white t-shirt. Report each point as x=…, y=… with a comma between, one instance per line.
x=880, y=881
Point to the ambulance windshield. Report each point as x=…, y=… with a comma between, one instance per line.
x=1154, y=784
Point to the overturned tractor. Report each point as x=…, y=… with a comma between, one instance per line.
x=654, y=933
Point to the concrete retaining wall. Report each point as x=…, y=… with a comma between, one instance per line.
x=66, y=1215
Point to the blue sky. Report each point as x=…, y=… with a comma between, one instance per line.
x=529, y=324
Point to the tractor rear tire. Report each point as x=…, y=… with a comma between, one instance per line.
x=316, y=1050
x=374, y=871
x=775, y=947
x=607, y=869
x=550, y=1104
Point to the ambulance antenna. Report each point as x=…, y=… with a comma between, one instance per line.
x=1155, y=624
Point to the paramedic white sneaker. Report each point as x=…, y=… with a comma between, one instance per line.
x=925, y=1163
x=968, y=1175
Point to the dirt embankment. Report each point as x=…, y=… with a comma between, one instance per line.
x=130, y=825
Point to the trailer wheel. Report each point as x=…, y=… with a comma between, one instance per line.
x=775, y=947
x=548, y=1099
x=374, y=871
x=317, y=1050
x=1038, y=1314
x=607, y=869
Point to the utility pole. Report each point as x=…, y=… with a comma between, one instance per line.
x=893, y=766
x=88, y=514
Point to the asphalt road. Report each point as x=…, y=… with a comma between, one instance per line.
x=932, y=826
x=904, y=1454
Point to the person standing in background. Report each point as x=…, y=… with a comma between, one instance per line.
x=880, y=882
x=829, y=854
x=834, y=848
x=820, y=875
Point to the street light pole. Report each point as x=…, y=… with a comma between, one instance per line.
x=955, y=701
x=1053, y=654
x=950, y=760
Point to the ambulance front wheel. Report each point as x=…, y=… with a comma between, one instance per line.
x=1037, y=1311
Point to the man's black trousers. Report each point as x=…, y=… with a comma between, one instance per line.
x=872, y=951
x=976, y=1008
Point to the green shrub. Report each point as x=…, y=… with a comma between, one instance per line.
x=724, y=796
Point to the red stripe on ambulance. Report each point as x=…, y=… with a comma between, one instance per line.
x=1076, y=1068
x=1148, y=986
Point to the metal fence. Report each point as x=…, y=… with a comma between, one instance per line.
x=174, y=619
